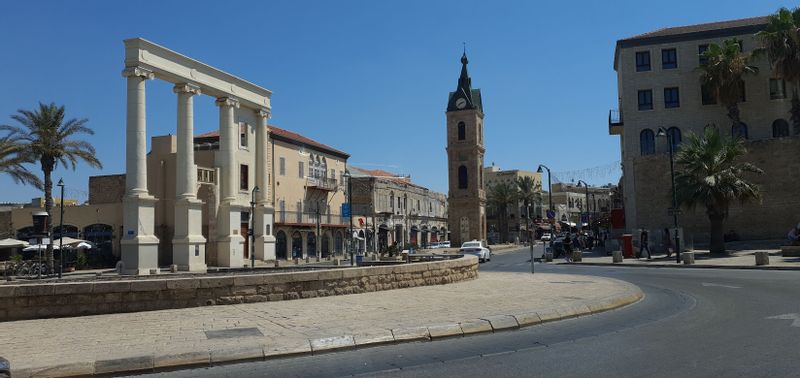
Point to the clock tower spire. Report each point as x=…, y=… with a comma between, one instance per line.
x=466, y=197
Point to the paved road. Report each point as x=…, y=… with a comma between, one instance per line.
x=692, y=322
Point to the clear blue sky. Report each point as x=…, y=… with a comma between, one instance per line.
x=367, y=77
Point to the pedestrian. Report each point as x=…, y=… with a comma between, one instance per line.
x=643, y=239
x=667, y=241
x=794, y=235
x=567, y=248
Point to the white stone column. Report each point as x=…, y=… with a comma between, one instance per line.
x=139, y=243
x=264, y=210
x=230, y=242
x=188, y=243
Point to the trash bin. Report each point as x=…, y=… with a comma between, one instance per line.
x=627, y=246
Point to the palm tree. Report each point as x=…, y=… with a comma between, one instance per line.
x=780, y=41
x=529, y=192
x=46, y=138
x=722, y=73
x=12, y=158
x=710, y=175
x=500, y=197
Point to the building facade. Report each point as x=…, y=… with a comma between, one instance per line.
x=517, y=215
x=391, y=210
x=570, y=202
x=465, y=151
x=658, y=85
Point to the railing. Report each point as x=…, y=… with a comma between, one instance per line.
x=614, y=118
x=323, y=183
x=298, y=217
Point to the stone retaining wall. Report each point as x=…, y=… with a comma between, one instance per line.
x=33, y=301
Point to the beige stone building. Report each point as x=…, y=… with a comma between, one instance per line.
x=396, y=210
x=465, y=150
x=569, y=201
x=658, y=87
x=517, y=215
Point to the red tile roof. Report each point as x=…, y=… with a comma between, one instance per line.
x=274, y=130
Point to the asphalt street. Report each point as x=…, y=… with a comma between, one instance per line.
x=691, y=323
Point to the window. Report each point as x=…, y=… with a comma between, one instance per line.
x=647, y=143
x=701, y=50
x=282, y=166
x=418, y=208
x=669, y=58
x=462, y=131
x=739, y=131
x=301, y=171
x=462, y=177
x=777, y=89
x=242, y=135
x=780, y=128
x=671, y=99
x=675, y=139
x=642, y=61
x=646, y=99
x=707, y=95
x=333, y=174
x=244, y=180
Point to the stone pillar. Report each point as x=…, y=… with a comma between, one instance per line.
x=230, y=244
x=139, y=243
x=264, y=211
x=188, y=243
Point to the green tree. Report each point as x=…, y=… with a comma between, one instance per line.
x=12, y=158
x=722, y=73
x=49, y=140
x=709, y=174
x=529, y=192
x=501, y=196
x=780, y=42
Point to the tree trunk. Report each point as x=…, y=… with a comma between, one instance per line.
x=717, y=245
x=48, y=207
x=795, y=111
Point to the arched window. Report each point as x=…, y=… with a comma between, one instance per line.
x=739, y=131
x=480, y=133
x=462, y=177
x=280, y=245
x=674, y=137
x=780, y=128
x=462, y=131
x=647, y=142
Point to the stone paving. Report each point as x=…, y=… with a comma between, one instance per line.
x=125, y=342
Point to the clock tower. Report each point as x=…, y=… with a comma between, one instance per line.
x=466, y=198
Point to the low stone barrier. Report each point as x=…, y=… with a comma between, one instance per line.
x=616, y=257
x=688, y=258
x=34, y=301
x=790, y=250
x=762, y=258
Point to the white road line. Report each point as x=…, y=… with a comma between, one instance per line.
x=720, y=285
x=794, y=317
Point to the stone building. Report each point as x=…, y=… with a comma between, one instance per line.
x=569, y=201
x=396, y=210
x=465, y=150
x=658, y=87
x=518, y=214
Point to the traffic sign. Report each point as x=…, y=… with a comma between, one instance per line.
x=346, y=210
x=551, y=214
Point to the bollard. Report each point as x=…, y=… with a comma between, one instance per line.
x=317, y=258
x=296, y=261
x=688, y=258
x=308, y=259
x=337, y=262
x=173, y=268
x=577, y=256
x=762, y=258
x=277, y=264
x=616, y=256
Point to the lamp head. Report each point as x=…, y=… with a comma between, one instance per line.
x=256, y=189
x=60, y=182
x=661, y=132
x=539, y=170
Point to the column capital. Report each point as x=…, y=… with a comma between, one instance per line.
x=136, y=71
x=227, y=101
x=263, y=113
x=186, y=88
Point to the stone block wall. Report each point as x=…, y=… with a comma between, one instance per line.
x=34, y=301
x=770, y=219
x=106, y=189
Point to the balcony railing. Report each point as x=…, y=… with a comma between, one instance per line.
x=310, y=218
x=615, y=122
x=322, y=183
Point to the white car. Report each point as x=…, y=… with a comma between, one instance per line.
x=478, y=249
x=444, y=244
x=546, y=236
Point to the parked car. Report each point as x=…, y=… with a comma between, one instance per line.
x=5, y=368
x=546, y=236
x=444, y=244
x=478, y=249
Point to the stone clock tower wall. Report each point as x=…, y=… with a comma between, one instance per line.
x=465, y=151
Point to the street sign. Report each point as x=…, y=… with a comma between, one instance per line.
x=551, y=214
x=346, y=210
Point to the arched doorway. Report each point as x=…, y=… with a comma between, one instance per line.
x=413, y=237
x=434, y=235
x=383, y=237
x=311, y=245
x=297, y=245
x=70, y=231
x=280, y=245
x=362, y=241
x=424, y=241
x=326, y=245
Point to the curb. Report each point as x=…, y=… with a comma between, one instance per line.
x=681, y=266
x=489, y=324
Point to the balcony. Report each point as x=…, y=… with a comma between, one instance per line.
x=615, y=122
x=321, y=183
x=309, y=218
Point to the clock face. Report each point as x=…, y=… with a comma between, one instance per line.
x=461, y=103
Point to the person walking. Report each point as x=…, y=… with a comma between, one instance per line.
x=667, y=241
x=643, y=239
x=567, y=248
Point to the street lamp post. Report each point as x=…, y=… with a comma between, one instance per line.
x=588, y=217
x=350, y=206
x=550, y=198
x=662, y=132
x=252, y=228
x=61, y=234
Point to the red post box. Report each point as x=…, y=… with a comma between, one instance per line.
x=627, y=246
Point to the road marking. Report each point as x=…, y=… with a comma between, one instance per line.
x=794, y=317
x=720, y=285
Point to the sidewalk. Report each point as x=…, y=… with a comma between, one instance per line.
x=208, y=335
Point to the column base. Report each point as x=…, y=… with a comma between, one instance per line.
x=265, y=247
x=264, y=241
x=189, y=245
x=230, y=244
x=139, y=253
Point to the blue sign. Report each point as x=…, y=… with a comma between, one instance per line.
x=346, y=210
x=584, y=218
x=551, y=214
